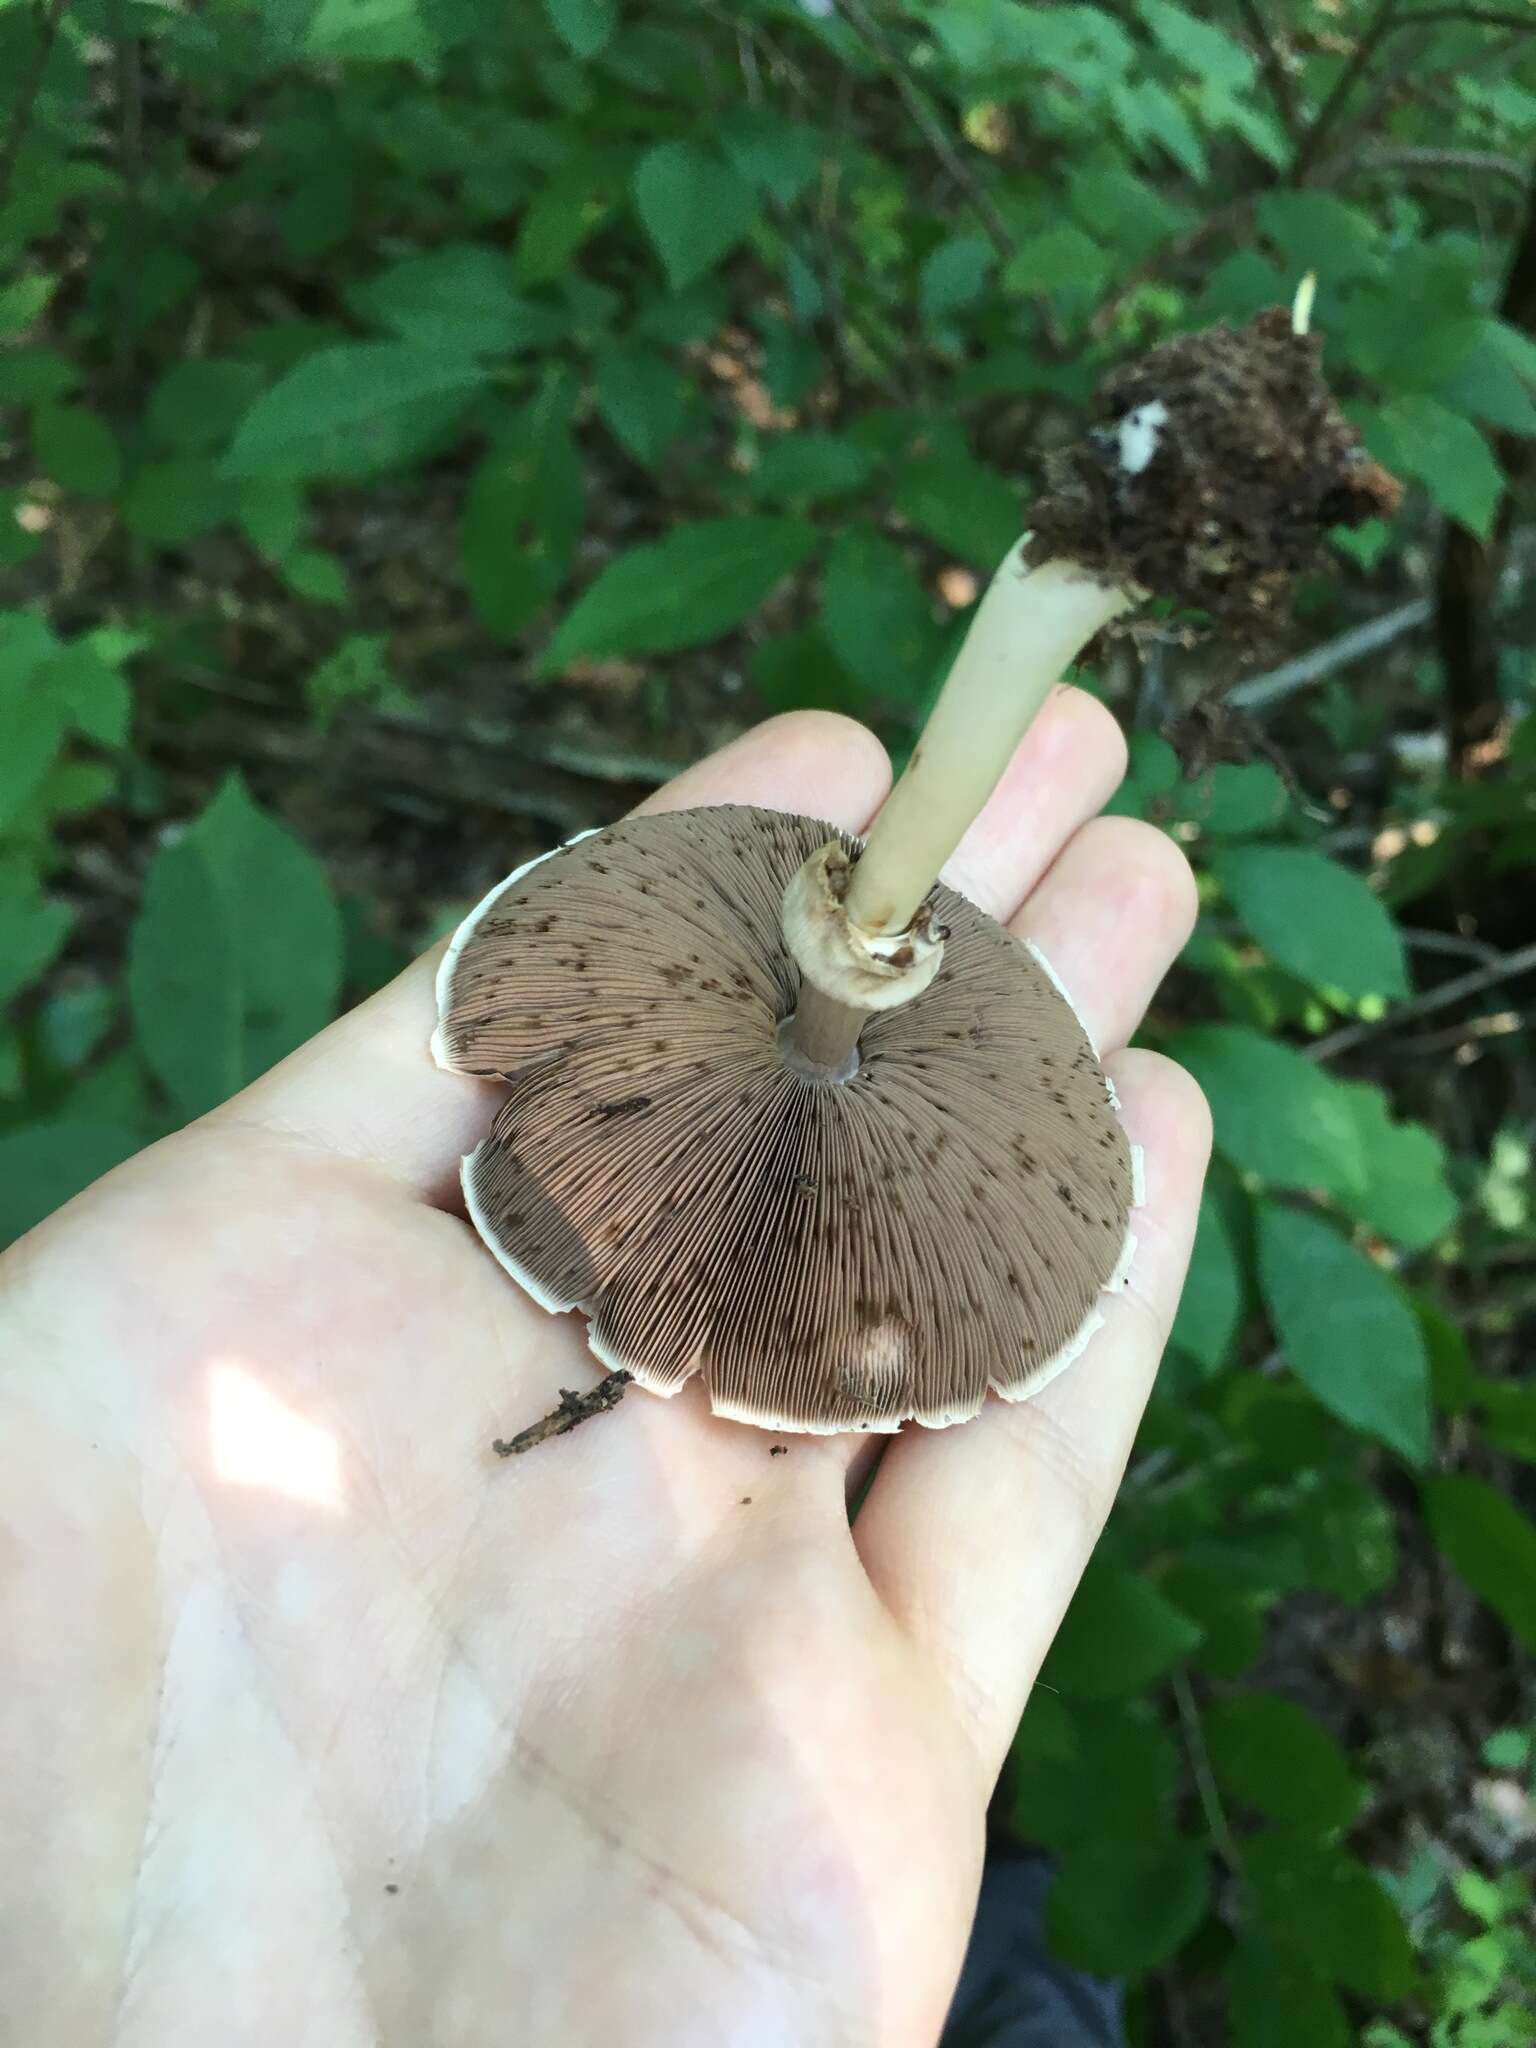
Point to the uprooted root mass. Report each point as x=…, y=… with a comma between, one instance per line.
x=1251, y=463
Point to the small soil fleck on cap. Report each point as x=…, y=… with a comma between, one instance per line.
x=1214, y=470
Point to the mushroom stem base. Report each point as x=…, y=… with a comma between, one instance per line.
x=821, y=1040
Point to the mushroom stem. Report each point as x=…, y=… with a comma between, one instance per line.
x=1028, y=628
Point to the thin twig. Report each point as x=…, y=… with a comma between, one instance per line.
x=1376, y=31
x=1205, y=1778
x=1330, y=657
x=573, y=1411
x=1425, y=941
x=1507, y=967
x=1475, y=1034
x=1281, y=87
x=1379, y=156
x=1473, y=17
x=869, y=32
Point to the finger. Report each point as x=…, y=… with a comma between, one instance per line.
x=1064, y=770
x=1111, y=916
x=368, y=1087
x=976, y=1537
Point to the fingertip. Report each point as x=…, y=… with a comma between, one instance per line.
x=1165, y=1105
x=1091, y=730
x=1152, y=877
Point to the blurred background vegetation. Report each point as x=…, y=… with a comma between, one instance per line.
x=423, y=426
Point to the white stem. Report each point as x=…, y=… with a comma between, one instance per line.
x=1027, y=630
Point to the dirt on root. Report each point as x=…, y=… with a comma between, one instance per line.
x=1216, y=466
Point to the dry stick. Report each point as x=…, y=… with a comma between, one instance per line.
x=1328, y=658
x=573, y=1411
x=869, y=32
x=1377, y=30
x=1281, y=87
x=1205, y=1778
x=1508, y=967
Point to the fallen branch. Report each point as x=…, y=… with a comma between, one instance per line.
x=1507, y=967
x=1330, y=657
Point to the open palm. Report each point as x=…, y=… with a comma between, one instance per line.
x=321, y=1725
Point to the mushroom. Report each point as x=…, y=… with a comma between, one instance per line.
x=787, y=1113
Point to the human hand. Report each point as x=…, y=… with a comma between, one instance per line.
x=323, y=1726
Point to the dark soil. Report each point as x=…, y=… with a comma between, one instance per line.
x=1250, y=463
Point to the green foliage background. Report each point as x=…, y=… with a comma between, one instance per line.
x=708, y=338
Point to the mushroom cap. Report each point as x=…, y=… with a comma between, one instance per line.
x=829, y=1255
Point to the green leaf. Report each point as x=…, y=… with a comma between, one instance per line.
x=778, y=156
x=1316, y=919
x=1488, y=386
x=961, y=504
x=878, y=618
x=1328, y=1911
x=22, y=301
x=286, y=928
x=1210, y=1307
x=1349, y=1538
x=523, y=516
x=1060, y=258
x=1196, y=44
x=1317, y=231
x=352, y=412
x=1406, y=1196
x=1277, y=1115
x=170, y=503
x=1418, y=437
x=1278, y=2001
x=1119, y=1906
x=567, y=212
x=458, y=299
x=1491, y=1544
x=1508, y=1749
x=235, y=957
x=33, y=928
x=643, y=399
x=313, y=574
x=798, y=671
x=183, y=987
x=370, y=31
x=1119, y=1634
x=703, y=578
x=197, y=404
x=1274, y=1756
x=33, y=724
x=954, y=276
x=271, y=513
x=77, y=449
x=809, y=468
x=1346, y=1330
x=45, y=1165
x=584, y=26
x=28, y=375
x=356, y=671
x=694, y=207
x=1233, y=799
x=93, y=694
